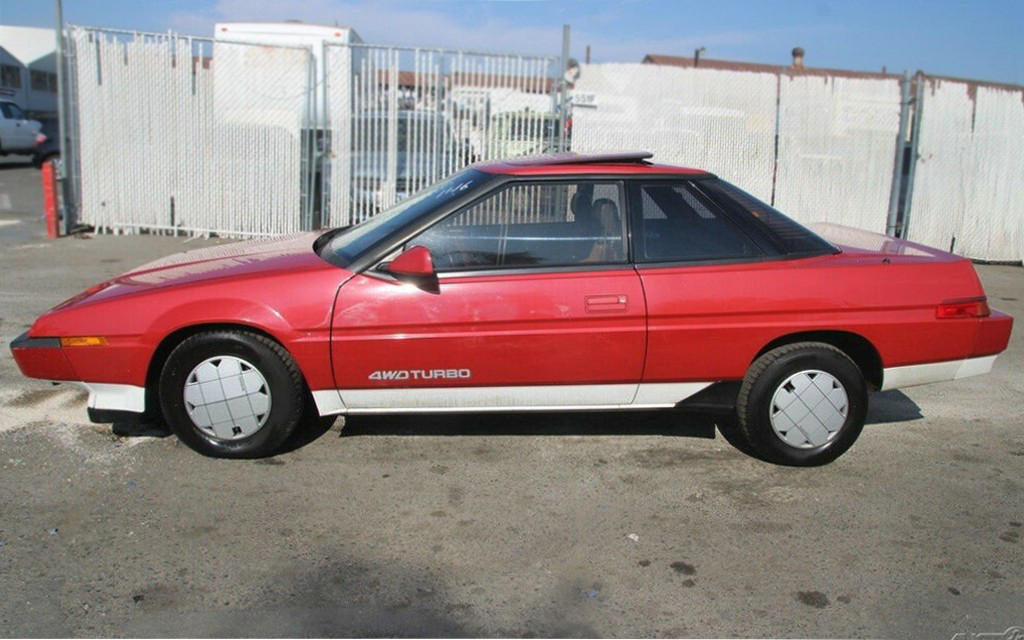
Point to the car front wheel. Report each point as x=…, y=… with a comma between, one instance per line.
x=231, y=394
x=802, y=404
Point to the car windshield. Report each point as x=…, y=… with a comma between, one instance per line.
x=351, y=243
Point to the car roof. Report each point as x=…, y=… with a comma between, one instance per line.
x=630, y=162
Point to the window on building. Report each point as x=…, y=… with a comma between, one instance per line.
x=10, y=76
x=43, y=81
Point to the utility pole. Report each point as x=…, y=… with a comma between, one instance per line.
x=67, y=199
x=564, y=97
x=892, y=225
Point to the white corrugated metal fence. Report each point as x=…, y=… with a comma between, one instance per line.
x=168, y=141
x=834, y=155
x=968, y=192
x=186, y=134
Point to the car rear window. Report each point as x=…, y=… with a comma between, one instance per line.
x=790, y=237
x=678, y=225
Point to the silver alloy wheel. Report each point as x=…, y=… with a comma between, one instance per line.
x=227, y=398
x=808, y=409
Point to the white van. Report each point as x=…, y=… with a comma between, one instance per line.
x=238, y=100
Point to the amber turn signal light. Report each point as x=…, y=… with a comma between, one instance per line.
x=84, y=341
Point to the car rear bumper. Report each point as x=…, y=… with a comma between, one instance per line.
x=993, y=334
x=991, y=339
x=915, y=374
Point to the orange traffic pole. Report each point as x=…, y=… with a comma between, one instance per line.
x=50, y=201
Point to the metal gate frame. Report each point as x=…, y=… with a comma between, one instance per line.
x=253, y=130
x=368, y=125
x=317, y=163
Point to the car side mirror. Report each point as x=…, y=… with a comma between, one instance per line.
x=416, y=267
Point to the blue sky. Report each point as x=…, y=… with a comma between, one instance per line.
x=981, y=39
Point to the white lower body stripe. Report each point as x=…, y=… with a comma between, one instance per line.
x=512, y=398
x=328, y=402
x=915, y=374
x=112, y=397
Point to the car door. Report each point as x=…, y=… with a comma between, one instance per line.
x=18, y=134
x=536, y=305
x=716, y=289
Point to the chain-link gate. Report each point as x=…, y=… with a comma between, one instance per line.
x=181, y=134
x=401, y=118
x=202, y=136
x=189, y=134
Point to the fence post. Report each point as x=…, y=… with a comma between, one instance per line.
x=563, y=107
x=64, y=146
x=892, y=224
x=915, y=137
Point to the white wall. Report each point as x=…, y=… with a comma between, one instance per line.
x=837, y=139
x=837, y=135
x=969, y=188
x=151, y=131
x=720, y=121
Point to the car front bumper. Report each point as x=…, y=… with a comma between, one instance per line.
x=44, y=358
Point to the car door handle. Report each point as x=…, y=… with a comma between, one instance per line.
x=605, y=303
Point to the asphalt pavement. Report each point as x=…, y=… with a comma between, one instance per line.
x=598, y=524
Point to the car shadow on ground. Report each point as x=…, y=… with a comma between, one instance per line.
x=883, y=407
x=140, y=429
x=16, y=164
x=554, y=423
x=892, y=406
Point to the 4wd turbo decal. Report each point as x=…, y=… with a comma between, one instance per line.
x=422, y=374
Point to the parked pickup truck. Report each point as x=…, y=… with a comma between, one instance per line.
x=18, y=134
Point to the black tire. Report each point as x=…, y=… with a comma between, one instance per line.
x=769, y=374
x=284, y=387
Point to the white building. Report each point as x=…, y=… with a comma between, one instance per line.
x=28, y=68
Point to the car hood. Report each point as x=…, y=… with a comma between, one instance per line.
x=237, y=261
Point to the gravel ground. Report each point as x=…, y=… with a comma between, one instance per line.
x=640, y=524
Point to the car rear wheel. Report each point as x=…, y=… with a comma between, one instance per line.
x=231, y=394
x=802, y=404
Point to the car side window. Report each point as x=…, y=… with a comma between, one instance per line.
x=532, y=225
x=677, y=224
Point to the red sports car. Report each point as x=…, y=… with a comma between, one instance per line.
x=562, y=282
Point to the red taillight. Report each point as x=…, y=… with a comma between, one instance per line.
x=970, y=308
